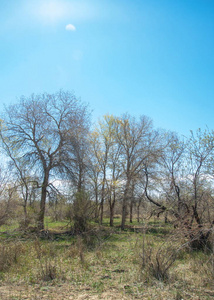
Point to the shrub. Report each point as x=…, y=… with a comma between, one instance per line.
x=82, y=210
x=48, y=267
x=156, y=261
x=9, y=254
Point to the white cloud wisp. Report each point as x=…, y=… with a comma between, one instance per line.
x=70, y=27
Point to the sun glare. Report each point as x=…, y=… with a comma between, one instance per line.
x=52, y=11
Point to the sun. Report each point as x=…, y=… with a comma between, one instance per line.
x=52, y=11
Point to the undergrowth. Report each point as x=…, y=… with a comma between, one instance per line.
x=134, y=263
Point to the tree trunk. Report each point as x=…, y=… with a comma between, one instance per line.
x=96, y=206
x=138, y=210
x=25, y=214
x=138, y=213
x=101, y=211
x=123, y=221
x=112, y=205
x=131, y=212
x=124, y=205
x=102, y=200
x=112, y=215
x=43, y=203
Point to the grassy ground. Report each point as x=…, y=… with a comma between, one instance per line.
x=104, y=263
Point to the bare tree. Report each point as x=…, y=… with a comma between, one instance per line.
x=94, y=183
x=102, y=141
x=133, y=136
x=22, y=179
x=200, y=153
x=41, y=132
x=5, y=198
x=172, y=163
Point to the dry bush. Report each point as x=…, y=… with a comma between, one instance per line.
x=206, y=266
x=30, y=220
x=7, y=211
x=72, y=251
x=48, y=267
x=95, y=237
x=48, y=270
x=3, y=218
x=76, y=249
x=9, y=254
x=157, y=260
x=57, y=208
x=82, y=212
x=81, y=247
x=199, y=238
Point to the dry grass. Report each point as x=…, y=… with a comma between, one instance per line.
x=114, y=268
x=9, y=254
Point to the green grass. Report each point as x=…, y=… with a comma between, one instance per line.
x=50, y=224
x=13, y=225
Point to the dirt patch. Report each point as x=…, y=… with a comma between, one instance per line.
x=59, y=292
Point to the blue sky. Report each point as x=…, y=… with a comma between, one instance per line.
x=148, y=57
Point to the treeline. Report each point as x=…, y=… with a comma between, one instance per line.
x=53, y=152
